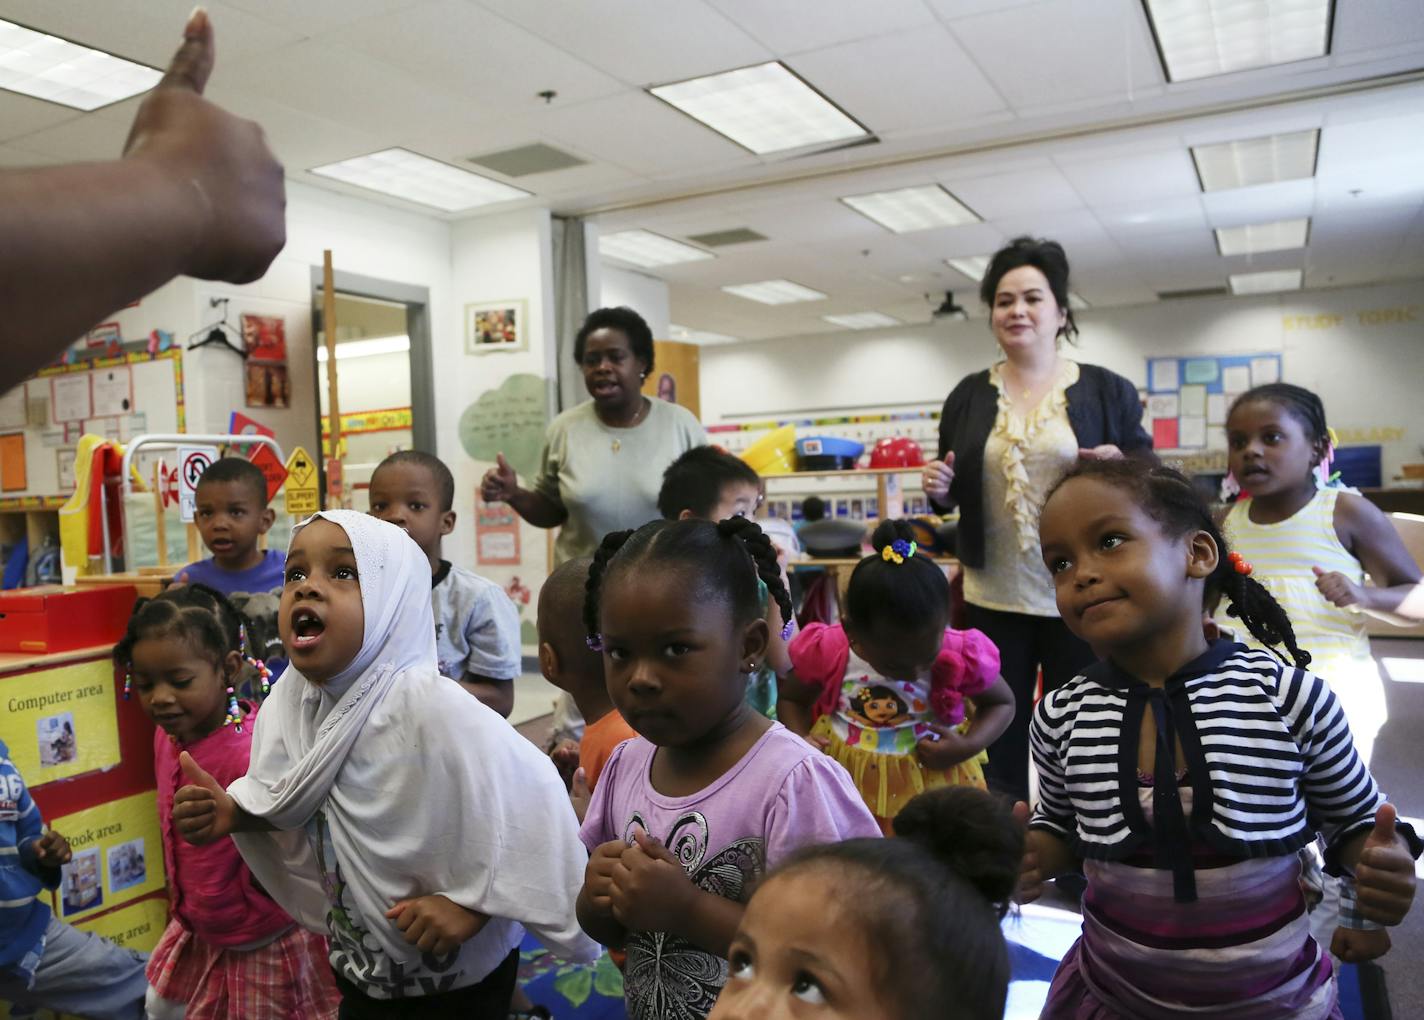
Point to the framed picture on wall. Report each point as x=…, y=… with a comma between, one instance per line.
x=497, y=326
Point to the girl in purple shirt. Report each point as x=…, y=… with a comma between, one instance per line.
x=691, y=813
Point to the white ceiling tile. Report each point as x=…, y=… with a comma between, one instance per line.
x=14, y=158
x=639, y=42
x=21, y=115
x=1195, y=245
x=795, y=26
x=870, y=79
x=476, y=57
x=97, y=135
x=314, y=17
x=1054, y=52
x=635, y=131
x=1016, y=193
x=952, y=9
x=1263, y=203
x=952, y=242
x=338, y=84
x=1365, y=25
x=1161, y=216
x=1141, y=178
x=149, y=31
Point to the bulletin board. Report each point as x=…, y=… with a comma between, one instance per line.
x=42, y=419
x=1187, y=398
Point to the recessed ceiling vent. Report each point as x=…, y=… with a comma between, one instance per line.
x=722, y=238
x=527, y=159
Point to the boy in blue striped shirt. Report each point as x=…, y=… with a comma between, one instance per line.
x=44, y=962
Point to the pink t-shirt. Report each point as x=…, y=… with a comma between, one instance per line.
x=209, y=887
x=889, y=714
x=783, y=795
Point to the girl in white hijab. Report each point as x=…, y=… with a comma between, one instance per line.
x=386, y=807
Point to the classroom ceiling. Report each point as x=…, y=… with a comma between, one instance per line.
x=1050, y=117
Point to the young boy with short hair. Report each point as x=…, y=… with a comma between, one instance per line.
x=709, y=483
x=45, y=963
x=231, y=513
x=476, y=624
x=570, y=665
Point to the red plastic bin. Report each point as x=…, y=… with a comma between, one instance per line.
x=58, y=619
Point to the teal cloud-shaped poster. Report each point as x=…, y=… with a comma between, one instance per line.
x=509, y=419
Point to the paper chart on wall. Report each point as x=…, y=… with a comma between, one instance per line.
x=1165, y=375
x=113, y=391
x=12, y=409
x=70, y=398
x=1163, y=405
x=1216, y=408
x=1193, y=401
x=1236, y=379
x=1191, y=432
x=1265, y=370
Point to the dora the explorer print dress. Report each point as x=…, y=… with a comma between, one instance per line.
x=872, y=722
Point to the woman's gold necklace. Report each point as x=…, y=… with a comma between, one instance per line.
x=637, y=420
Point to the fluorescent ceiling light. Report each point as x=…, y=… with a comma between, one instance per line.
x=416, y=178
x=775, y=292
x=1076, y=302
x=1201, y=38
x=647, y=249
x=918, y=208
x=764, y=108
x=1267, y=282
x=1256, y=160
x=365, y=348
x=1255, y=238
x=700, y=336
x=972, y=266
x=57, y=70
x=862, y=320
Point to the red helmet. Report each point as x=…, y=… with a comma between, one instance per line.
x=896, y=451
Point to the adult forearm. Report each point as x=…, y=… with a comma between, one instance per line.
x=537, y=509
x=81, y=241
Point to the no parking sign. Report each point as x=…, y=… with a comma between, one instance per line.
x=192, y=462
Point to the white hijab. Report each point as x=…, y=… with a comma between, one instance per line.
x=424, y=789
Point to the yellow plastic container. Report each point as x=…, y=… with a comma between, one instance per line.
x=774, y=453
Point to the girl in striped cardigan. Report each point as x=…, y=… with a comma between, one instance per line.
x=1185, y=774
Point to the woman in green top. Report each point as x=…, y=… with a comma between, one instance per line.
x=604, y=459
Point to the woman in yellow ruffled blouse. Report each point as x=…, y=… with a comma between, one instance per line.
x=1006, y=435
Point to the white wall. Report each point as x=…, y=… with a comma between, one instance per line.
x=646, y=295
x=1360, y=348
x=493, y=258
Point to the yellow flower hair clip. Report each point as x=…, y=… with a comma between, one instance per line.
x=898, y=551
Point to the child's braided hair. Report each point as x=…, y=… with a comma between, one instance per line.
x=729, y=556
x=1168, y=498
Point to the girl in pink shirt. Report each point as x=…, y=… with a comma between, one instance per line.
x=228, y=950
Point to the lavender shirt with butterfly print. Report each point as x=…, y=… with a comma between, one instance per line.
x=783, y=795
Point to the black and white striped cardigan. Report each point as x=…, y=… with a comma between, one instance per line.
x=1270, y=761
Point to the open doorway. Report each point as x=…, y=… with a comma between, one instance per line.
x=383, y=375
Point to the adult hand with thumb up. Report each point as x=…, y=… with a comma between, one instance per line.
x=1384, y=873
x=202, y=810
x=500, y=482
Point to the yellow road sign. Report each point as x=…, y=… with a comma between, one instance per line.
x=303, y=496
